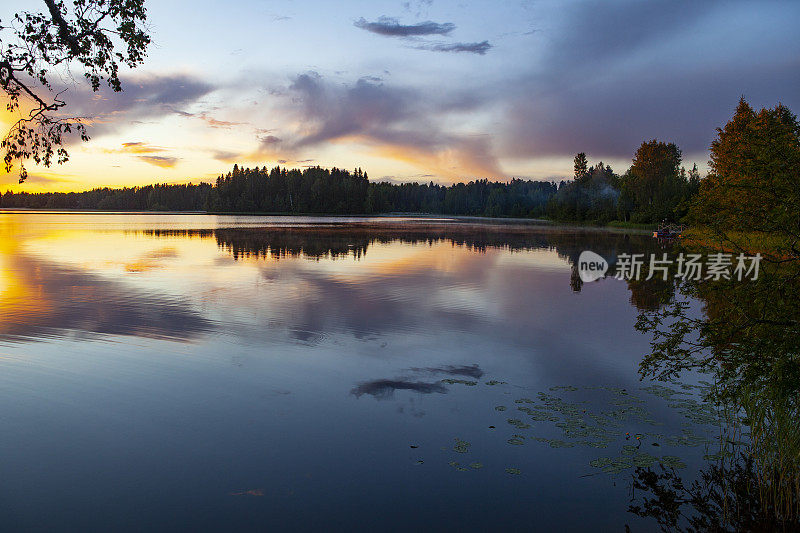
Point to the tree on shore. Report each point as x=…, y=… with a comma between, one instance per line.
x=654, y=182
x=581, y=166
x=97, y=35
x=754, y=184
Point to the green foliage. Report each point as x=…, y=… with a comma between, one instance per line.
x=581, y=165
x=591, y=197
x=655, y=188
x=754, y=183
x=312, y=190
x=517, y=198
x=149, y=198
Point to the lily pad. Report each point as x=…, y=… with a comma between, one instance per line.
x=457, y=466
x=644, y=460
x=517, y=423
x=517, y=440
x=461, y=446
x=670, y=461
x=612, y=465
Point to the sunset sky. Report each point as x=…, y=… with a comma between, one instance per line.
x=425, y=89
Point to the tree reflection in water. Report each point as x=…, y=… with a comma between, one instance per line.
x=747, y=336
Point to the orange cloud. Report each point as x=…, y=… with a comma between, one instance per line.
x=140, y=148
x=466, y=159
x=159, y=160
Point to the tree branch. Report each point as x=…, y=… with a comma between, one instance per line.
x=63, y=28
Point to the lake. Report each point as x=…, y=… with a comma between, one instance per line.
x=198, y=372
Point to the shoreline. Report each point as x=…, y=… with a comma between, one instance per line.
x=421, y=218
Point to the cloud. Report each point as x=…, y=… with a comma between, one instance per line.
x=138, y=148
x=601, y=31
x=366, y=105
x=608, y=119
x=395, y=122
x=473, y=48
x=269, y=147
x=227, y=157
x=36, y=178
x=417, y=7
x=269, y=139
x=215, y=123
x=208, y=119
x=391, y=27
x=617, y=73
x=142, y=98
x=159, y=160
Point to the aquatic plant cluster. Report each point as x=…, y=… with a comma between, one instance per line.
x=623, y=421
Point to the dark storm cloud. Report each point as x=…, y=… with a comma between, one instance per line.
x=606, y=118
x=473, y=48
x=383, y=389
x=391, y=27
x=630, y=71
x=607, y=30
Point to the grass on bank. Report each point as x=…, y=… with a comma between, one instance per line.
x=747, y=242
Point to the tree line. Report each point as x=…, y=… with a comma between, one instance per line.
x=312, y=190
x=655, y=188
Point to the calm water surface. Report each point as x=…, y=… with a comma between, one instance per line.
x=192, y=372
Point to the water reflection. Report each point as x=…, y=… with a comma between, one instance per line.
x=50, y=297
x=50, y=301
x=311, y=343
x=42, y=299
x=747, y=339
x=382, y=389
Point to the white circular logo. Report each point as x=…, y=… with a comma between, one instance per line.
x=591, y=266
